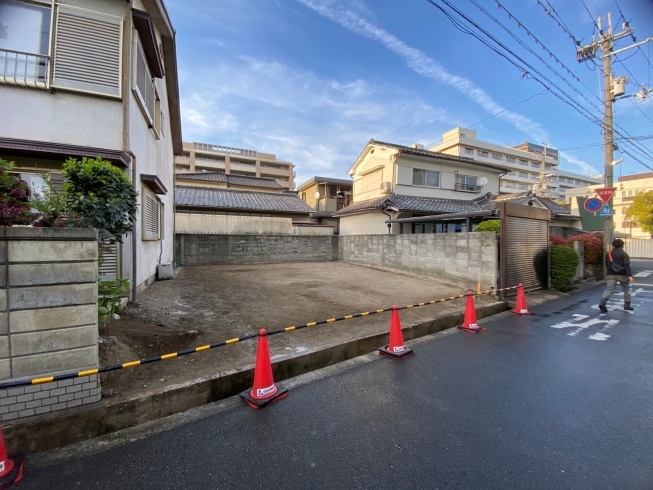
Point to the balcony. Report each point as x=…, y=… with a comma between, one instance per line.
x=25, y=69
x=468, y=188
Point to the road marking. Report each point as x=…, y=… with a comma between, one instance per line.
x=580, y=325
x=643, y=274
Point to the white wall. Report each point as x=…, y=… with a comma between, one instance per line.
x=372, y=223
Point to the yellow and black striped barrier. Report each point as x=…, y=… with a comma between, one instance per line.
x=201, y=348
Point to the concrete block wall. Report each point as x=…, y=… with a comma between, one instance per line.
x=253, y=249
x=48, y=317
x=464, y=258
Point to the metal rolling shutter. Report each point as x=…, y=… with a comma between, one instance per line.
x=87, y=49
x=528, y=246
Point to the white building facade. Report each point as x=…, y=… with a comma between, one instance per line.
x=96, y=78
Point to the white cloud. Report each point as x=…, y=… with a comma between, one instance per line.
x=585, y=168
x=318, y=123
x=421, y=63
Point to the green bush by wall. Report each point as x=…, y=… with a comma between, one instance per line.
x=489, y=225
x=564, y=261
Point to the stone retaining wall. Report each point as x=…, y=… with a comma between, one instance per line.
x=48, y=317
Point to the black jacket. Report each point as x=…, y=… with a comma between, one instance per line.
x=618, y=257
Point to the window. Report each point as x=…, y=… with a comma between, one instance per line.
x=143, y=87
x=333, y=191
x=426, y=178
x=535, y=176
x=467, y=183
x=524, y=187
x=548, y=167
x=158, y=114
x=578, y=182
x=482, y=153
x=496, y=156
x=510, y=185
x=512, y=172
x=469, y=151
x=304, y=196
x=511, y=159
x=523, y=162
x=24, y=42
x=535, y=165
x=523, y=175
x=86, y=53
x=152, y=216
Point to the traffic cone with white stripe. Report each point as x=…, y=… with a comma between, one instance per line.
x=396, y=348
x=520, y=305
x=265, y=391
x=469, y=321
x=11, y=470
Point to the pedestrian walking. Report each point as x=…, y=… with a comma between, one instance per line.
x=617, y=263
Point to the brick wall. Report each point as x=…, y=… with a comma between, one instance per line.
x=48, y=317
x=464, y=258
x=253, y=249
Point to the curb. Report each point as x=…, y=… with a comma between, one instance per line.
x=50, y=432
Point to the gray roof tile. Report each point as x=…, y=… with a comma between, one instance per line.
x=207, y=197
x=243, y=180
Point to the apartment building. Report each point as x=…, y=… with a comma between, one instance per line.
x=628, y=187
x=96, y=78
x=525, y=163
x=200, y=157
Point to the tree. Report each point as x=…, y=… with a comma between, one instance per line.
x=14, y=198
x=641, y=210
x=489, y=225
x=101, y=195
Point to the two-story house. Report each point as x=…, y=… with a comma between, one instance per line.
x=96, y=78
x=326, y=196
x=395, y=182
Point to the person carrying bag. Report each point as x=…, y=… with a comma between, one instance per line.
x=617, y=263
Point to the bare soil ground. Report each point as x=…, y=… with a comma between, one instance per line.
x=206, y=304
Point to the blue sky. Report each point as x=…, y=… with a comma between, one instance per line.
x=313, y=80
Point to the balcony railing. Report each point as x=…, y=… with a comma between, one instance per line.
x=27, y=69
x=468, y=187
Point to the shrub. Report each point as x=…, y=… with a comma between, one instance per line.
x=558, y=240
x=51, y=205
x=110, y=294
x=14, y=198
x=564, y=261
x=489, y=225
x=593, y=247
x=101, y=195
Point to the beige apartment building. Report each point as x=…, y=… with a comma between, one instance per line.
x=524, y=162
x=203, y=157
x=628, y=187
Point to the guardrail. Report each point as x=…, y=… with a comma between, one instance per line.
x=202, y=348
x=22, y=68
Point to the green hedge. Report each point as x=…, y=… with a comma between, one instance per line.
x=564, y=261
x=489, y=225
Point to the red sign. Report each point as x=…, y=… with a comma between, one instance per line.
x=606, y=193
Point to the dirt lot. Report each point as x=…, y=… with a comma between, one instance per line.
x=205, y=304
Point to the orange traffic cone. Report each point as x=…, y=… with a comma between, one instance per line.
x=469, y=322
x=396, y=348
x=11, y=470
x=265, y=391
x=520, y=306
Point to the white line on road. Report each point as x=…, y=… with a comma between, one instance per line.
x=643, y=274
x=574, y=323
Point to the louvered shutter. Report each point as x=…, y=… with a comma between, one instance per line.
x=152, y=223
x=57, y=180
x=109, y=269
x=143, y=83
x=87, y=51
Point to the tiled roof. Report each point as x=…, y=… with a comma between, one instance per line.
x=246, y=181
x=442, y=156
x=207, y=197
x=416, y=204
x=524, y=197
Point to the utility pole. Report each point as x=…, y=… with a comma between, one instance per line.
x=542, y=187
x=605, y=43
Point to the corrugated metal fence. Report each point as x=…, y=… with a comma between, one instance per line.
x=217, y=224
x=639, y=248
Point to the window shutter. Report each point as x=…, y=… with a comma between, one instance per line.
x=152, y=217
x=109, y=269
x=87, y=51
x=143, y=83
x=57, y=180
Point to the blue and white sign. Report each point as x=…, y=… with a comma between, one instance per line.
x=606, y=211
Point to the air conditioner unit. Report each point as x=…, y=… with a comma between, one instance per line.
x=386, y=187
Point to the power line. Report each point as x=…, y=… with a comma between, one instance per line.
x=590, y=14
x=551, y=12
x=508, y=108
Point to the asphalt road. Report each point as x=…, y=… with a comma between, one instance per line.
x=560, y=400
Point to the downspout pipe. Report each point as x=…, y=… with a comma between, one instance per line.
x=126, y=64
x=389, y=218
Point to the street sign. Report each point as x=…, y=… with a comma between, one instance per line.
x=593, y=204
x=606, y=193
x=606, y=211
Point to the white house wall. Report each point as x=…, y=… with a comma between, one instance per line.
x=372, y=223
